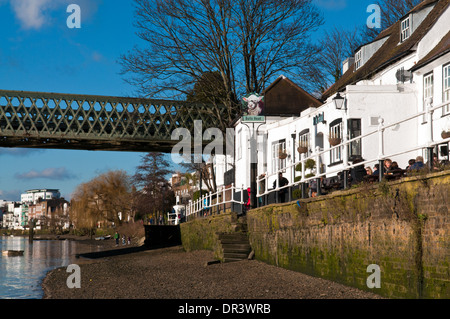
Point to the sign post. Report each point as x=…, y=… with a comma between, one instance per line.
x=253, y=113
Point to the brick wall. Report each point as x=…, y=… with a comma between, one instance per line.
x=401, y=226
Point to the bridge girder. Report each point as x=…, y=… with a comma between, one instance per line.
x=92, y=122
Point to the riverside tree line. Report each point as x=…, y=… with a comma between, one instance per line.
x=115, y=197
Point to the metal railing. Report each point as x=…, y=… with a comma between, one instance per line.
x=214, y=203
x=316, y=156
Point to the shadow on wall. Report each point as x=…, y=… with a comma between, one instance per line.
x=162, y=236
x=156, y=236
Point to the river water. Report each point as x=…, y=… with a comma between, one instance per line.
x=21, y=276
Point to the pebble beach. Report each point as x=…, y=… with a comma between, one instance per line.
x=172, y=273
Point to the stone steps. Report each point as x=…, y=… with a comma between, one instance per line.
x=235, y=246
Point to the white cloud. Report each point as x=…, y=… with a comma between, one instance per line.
x=19, y=151
x=55, y=173
x=31, y=13
x=34, y=14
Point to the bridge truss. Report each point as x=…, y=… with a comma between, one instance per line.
x=90, y=122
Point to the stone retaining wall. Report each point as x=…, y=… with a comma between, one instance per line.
x=401, y=226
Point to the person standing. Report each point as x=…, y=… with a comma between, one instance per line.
x=116, y=237
x=282, y=181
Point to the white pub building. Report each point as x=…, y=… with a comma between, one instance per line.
x=393, y=101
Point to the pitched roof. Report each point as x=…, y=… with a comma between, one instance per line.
x=391, y=50
x=284, y=97
x=439, y=50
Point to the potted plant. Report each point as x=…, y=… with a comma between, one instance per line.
x=302, y=148
x=334, y=140
x=282, y=154
x=310, y=164
x=445, y=134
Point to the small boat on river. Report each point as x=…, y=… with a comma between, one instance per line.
x=12, y=253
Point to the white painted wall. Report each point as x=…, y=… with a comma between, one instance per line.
x=381, y=96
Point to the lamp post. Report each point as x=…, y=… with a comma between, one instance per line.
x=339, y=103
x=293, y=135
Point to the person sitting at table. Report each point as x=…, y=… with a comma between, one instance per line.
x=376, y=170
x=394, y=166
x=418, y=164
x=410, y=163
x=394, y=171
x=387, y=166
x=434, y=163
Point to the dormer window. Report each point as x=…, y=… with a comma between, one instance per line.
x=406, y=30
x=358, y=60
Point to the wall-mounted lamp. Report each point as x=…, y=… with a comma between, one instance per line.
x=338, y=101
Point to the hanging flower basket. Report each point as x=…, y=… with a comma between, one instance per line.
x=334, y=141
x=282, y=155
x=302, y=149
x=445, y=134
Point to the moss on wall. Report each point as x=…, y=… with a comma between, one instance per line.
x=202, y=233
x=402, y=226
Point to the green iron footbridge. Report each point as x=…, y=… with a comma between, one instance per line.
x=91, y=122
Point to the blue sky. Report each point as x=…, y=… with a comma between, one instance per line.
x=38, y=52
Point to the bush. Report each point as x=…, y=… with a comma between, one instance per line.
x=197, y=195
x=296, y=194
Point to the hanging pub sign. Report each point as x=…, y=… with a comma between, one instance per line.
x=253, y=108
x=319, y=118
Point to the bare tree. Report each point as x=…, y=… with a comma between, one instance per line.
x=246, y=42
x=391, y=12
x=203, y=173
x=338, y=44
x=335, y=45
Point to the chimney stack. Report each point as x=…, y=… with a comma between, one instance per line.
x=347, y=64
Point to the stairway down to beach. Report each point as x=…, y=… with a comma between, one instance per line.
x=235, y=245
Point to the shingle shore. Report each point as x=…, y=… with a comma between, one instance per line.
x=172, y=273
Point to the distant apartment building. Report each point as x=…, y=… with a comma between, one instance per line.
x=52, y=213
x=13, y=216
x=33, y=195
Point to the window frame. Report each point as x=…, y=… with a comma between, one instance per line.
x=358, y=59
x=354, y=130
x=336, y=153
x=277, y=163
x=304, y=138
x=428, y=91
x=405, y=29
x=446, y=89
